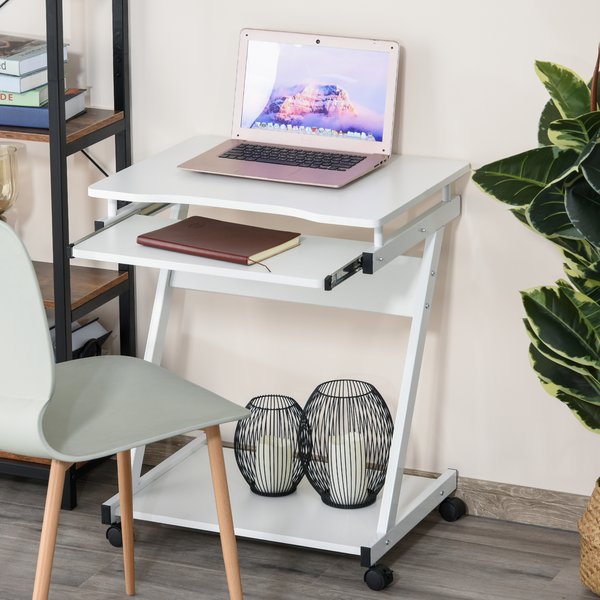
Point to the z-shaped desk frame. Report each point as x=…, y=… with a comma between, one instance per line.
x=339, y=273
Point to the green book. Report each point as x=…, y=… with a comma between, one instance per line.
x=35, y=97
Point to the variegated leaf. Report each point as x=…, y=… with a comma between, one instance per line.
x=580, y=250
x=518, y=179
x=556, y=378
x=589, y=372
x=520, y=213
x=589, y=309
x=583, y=207
x=583, y=285
x=568, y=91
x=561, y=326
x=574, y=133
x=547, y=214
x=584, y=277
x=588, y=414
x=590, y=167
x=549, y=114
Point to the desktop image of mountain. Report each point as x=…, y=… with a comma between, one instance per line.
x=320, y=106
x=323, y=91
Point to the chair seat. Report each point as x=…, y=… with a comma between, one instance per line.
x=103, y=405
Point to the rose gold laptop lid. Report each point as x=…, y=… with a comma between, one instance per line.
x=319, y=93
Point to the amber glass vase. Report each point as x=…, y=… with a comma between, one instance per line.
x=8, y=178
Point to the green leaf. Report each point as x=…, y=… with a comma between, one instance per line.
x=520, y=213
x=593, y=374
x=568, y=91
x=588, y=414
x=583, y=207
x=589, y=309
x=556, y=378
x=547, y=214
x=580, y=250
x=518, y=179
x=574, y=133
x=549, y=114
x=583, y=285
x=584, y=277
x=590, y=167
x=561, y=326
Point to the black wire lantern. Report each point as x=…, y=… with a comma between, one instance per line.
x=345, y=438
x=266, y=445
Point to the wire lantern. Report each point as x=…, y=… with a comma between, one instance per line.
x=266, y=445
x=345, y=438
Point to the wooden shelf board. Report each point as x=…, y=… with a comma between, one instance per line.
x=91, y=120
x=86, y=283
x=10, y=456
x=33, y=459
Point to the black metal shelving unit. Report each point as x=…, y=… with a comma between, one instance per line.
x=65, y=139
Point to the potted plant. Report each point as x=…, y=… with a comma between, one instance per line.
x=554, y=190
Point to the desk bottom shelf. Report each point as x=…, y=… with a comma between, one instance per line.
x=182, y=496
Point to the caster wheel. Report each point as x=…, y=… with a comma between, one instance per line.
x=378, y=577
x=114, y=535
x=452, y=509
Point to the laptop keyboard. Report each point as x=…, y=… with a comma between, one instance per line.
x=293, y=157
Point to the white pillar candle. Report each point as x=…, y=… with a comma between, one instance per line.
x=273, y=464
x=347, y=469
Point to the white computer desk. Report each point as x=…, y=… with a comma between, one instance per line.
x=373, y=276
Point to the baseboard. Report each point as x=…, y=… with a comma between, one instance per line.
x=518, y=503
x=521, y=504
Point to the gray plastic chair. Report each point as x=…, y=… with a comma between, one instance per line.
x=91, y=408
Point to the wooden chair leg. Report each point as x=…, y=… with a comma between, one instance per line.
x=228, y=543
x=54, y=494
x=126, y=504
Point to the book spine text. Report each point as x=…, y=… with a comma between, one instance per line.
x=32, y=98
x=9, y=67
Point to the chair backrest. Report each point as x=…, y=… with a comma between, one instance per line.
x=26, y=355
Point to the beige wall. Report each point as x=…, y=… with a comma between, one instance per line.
x=468, y=91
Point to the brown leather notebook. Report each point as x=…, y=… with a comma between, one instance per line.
x=221, y=240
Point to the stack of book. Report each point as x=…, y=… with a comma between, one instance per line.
x=24, y=84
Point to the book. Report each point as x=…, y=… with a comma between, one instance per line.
x=20, y=55
x=13, y=83
x=35, y=97
x=220, y=240
x=38, y=117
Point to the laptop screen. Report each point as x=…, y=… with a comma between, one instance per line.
x=315, y=90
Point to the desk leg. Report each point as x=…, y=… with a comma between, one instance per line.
x=154, y=348
x=155, y=342
x=410, y=379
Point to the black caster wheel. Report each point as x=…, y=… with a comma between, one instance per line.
x=452, y=509
x=114, y=535
x=378, y=577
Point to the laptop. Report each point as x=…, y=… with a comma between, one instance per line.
x=309, y=109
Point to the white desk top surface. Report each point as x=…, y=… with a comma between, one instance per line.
x=368, y=202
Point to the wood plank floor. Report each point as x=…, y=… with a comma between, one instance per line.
x=474, y=558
